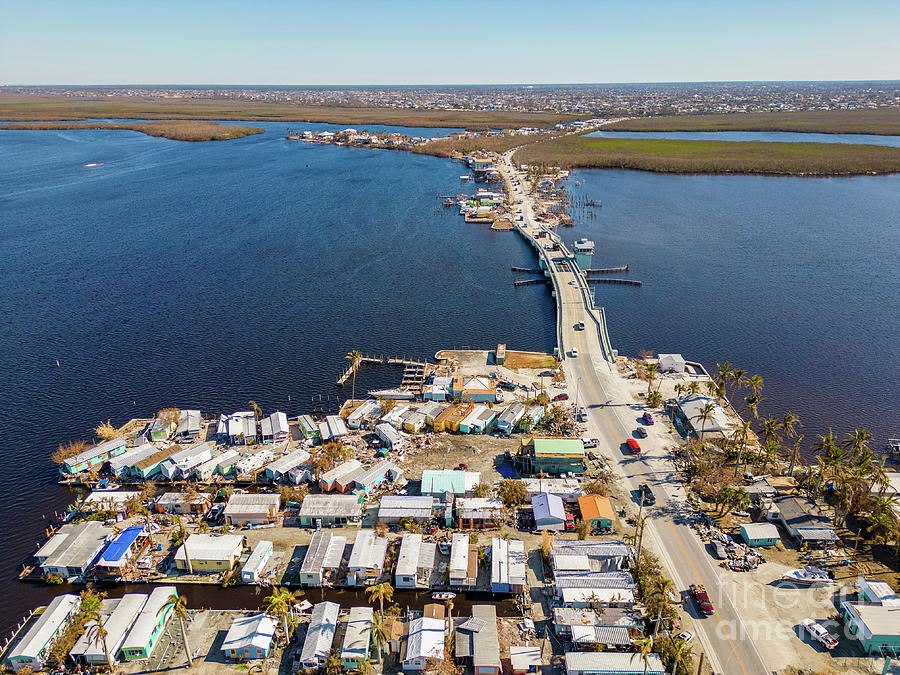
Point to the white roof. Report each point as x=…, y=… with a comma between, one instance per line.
x=402, y=506
x=760, y=530
x=46, y=627
x=556, y=486
x=320, y=632
x=227, y=458
x=220, y=547
x=145, y=624
x=356, y=637
x=368, y=551
x=508, y=561
x=75, y=545
x=257, y=560
x=133, y=456
x=620, y=663
x=190, y=421
x=341, y=472
x=253, y=462
x=346, y=506
x=288, y=462
x=247, y=631
x=276, y=423
x=425, y=639
x=517, y=562
x=388, y=434
x=192, y=456
x=879, y=591
x=118, y=624
x=408, y=559
x=336, y=426
x=522, y=658
x=602, y=595
x=252, y=503
x=459, y=554
x=692, y=404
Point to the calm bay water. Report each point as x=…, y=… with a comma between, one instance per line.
x=766, y=136
x=204, y=275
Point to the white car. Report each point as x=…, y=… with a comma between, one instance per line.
x=819, y=633
x=574, y=353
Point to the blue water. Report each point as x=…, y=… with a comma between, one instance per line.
x=766, y=136
x=208, y=274
x=795, y=279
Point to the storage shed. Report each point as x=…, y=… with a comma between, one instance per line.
x=760, y=534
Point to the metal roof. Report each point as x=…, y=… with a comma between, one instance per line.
x=408, y=558
x=425, y=638
x=46, y=627
x=558, y=446
x=320, y=632
x=604, y=635
x=459, y=554
x=436, y=481
x=290, y=461
x=318, y=550
x=548, y=507
x=210, y=547
x=252, y=503
x=486, y=645
x=343, y=506
x=368, y=551
x=374, y=474
x=619, y=663
x=96, y=451
x=75, y=545
x=356, y=637
x=258, y=558
x=246, y=631
x=341, y=471
x=121, y=545
x=126, y=459
x=117, y=625
x=760, y=530
x=397, y=506
x=145, y=624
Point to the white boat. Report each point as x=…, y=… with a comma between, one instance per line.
x=396, y=394
x=446, y=595
x=807, y=576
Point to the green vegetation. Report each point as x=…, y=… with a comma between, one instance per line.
x=448, y=147
x=178, y=130
x=29, y=107
x=884, y=121
x=711, y=157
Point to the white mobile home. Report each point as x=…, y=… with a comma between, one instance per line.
x=394, y=508
x=509, y=418
x=366, y=558
x=415, y=562
x=324, y=554
x=281, y=467
x=256, y=563
x=252, y=509
x=463, y=561
x=507, y=565
x=274, y=428
x=221, y=464
x=357, y=636
x=121, y=464
x=33, y=648
x=182, y=463
x=365, y=411
x=319, y=634
x=250, y=464
x=190, y=423
x=388, y=435
x=425, y=641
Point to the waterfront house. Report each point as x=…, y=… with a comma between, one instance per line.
x=415, y=562
x=717, y=423
x=598, y=510
x=129, y=543
x=323, y=555
x=274, y=428
x=252, y=509
x=507, y=565
x=549, y=512
x=394, y=416
x=477, y=643
x=249, y=637
x=330, y=510
x=278, y=470
x=587, y=555
x=319, y=634
x=121, y=465
x=760, y=534
x=308, y=427
x=523, y=660
x=149, y=466
x=333, y=428
x=476, y=513
x=477, y=421
x=237, y=429
x=183, y=462
x=389, y=436
x=366, y=559
x=414, y=422
x=568, y=489
x=363, y=413
x=113, y=502
x=424, y=641
x=672, y=363
x=438, y=482
x=149, y=625
x=476, y=388
x=256, y=563
x=509, y=417
x=552, y=455
x=189, y=425
x=613, y=663
x=431, y=410
x=357, y=636
x=179, y=504
x=33, y=648
x=439, y=389
x=117, y=622
x=72, y=550
x=341, y=476
x=369, y=479
x=452, y=415
x=877, y=591
x=463, y=561
x=208, y=553
x=802, y=519
x=249, y=465
x=159, y=430
x=221, y=464
x=93, y=458
x=394, y=508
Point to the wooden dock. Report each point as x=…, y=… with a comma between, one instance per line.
x=528, y=282
x=623, y=282
x=608, y=270
x=525, y=270
x=381, y=361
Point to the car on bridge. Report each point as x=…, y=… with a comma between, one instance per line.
x=701, y=597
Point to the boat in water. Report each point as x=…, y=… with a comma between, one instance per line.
x=87, y=166
x=807, y=576
x=396, y=394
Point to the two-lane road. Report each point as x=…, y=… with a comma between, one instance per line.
x=612, y=417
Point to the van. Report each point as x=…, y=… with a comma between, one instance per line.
x=633, y=446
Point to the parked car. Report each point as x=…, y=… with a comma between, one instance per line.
x=633, y=446
x=647, y=418
x=719, y=549
x=590, y=442
x=561, y=397
x=640, y=432
x=701, y=597
x=574, y=353
x=646, y=494
x=819, y=633
x=582, y=414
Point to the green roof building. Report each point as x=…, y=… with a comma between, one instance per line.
x=552, y=456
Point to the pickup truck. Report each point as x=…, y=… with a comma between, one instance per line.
x=819, y=633
x=701, y=597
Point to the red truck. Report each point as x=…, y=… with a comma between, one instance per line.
x=701, y=597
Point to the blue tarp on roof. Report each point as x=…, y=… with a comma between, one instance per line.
x=121, y=544
x=548, y=507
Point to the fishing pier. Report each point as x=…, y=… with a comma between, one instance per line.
x=414, y=372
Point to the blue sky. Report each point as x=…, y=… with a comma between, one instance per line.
x=431, y=42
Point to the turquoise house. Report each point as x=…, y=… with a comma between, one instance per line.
x=93, y=458
x=760, y=534
x=149, y=625
x=876, y=626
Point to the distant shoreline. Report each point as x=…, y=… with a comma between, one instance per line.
x=176, y=130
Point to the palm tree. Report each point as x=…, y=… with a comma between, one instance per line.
x=381, y=592
x=739, y=378
x=769, y=428
x=742, y=437
x=355, y=358
x=333, y=664
x=257, y=411
x=645, y=645
x=704, y=416
x=857, y=440
x=755, y=382
x=831, y=457
x=178, y=605
x=723, y=372
x=753, y=401
x=662, y=592
x=882, y=527
x=769, y=453
x=379, y=632
x=654, y=399
x=788, y=422
x=96, y=634
x=795, y=453
x=652, y=369
x=280, y=605
x=694, y=387
x=680, y=646
x=364, y=667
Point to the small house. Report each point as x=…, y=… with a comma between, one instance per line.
x=431, y=410
x=672, y=363
x=760, y=534
x=93, y=458
x=334, y=428
x=439, y=389
x=478, y=513
x=220, y=464
x=249, y=637
x=389, y=436
x=598, y=510
x=237, y=429
x=74, y=547
x=395, y=508
x=880, y=592
x=477, y=643
x=340, y=477
x=463, y=561
x=128, y=544
x=330, y=510
x=257, y=561
x=568, y=489
x=319, y=634
x=375, y=475
x=613, y=663
x=190, y=423
x=182, y=463
x=415, y=562
x=179, y=503
x=478, y=421
x=159, y=430
x=362, y=413
x=250, y=464
x=414, y=422
x=507, y=565
x=589, y=555
x=439, y=482
x=149, y=624
x=366, y=559
x=509, y=418
x=524, y=660
x=281, y=467
x=549, y=512
x=120, y=465
x=208, y=553
x=252, y=509
x=477, y=389
x=307, y=427
x=33, y=648
x=424, y=641
x=274, y=428
x=357, y=636
x=323, y=555
x=117, y=622
x=113, y=502
x=149, y=466
x=551, y=455
x=875, y=626
x=451, y=417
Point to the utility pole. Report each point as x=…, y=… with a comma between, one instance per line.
x=638, y=530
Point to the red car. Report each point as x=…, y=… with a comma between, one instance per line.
x=561, y=397
x=701, y=597
x=633, y=446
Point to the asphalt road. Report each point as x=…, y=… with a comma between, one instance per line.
x=612, y=417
